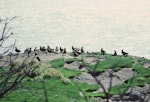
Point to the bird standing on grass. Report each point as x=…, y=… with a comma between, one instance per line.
x=124, y=53
x=115, y=53
x=102, y=51
x=82, y=50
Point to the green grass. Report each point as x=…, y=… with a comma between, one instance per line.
x=71, y=54
x=57, y=91
x=115, y=90
x=88, y=87
x=70, y=60
x=116, y=69
x=113, y=62
x=31, y=90
x=145, y=72
x=119, y=89
x=99, y=94
x=142, y=78
x=57, y=63
x=70, y=73
x=138, y=81
x=142, y=60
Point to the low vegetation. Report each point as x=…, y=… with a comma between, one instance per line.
x=33, y=91
x=69, y=73
x=115, y=63
x=51, y=82
x=57, y=63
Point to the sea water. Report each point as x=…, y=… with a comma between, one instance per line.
x=93, y=24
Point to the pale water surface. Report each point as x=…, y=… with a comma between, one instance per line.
x=111, y=24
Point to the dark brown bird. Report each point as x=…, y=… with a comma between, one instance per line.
x=61, y=50
x=50, y=50
x=17, y=50
x=26, y=50
x=82, y=50
x=29, y=51
x=56, y=49
x=64, y=51
x=102, y=51
x=38, y=58
x=124, y=53
x=72, y=48
x=40, y=48
x=115, y=53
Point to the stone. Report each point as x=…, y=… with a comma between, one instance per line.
x=85, y=77
x=147, y=65
x=91, y=60
x=74, y=65
x=125, y=73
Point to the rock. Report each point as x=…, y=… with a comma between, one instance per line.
x=115, y=78
x=105, y=79
x=134, y=94
x=91, y=60
x=74, y=65
x=125, y=73
x=98, y=99
x=126, y=98
x=115, y=98
x=147, y=65
x=143, y=92
x=85, y=68
x=85, y=77
x=134, y=97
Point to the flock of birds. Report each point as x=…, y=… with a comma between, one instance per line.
x=115, y=53
x=43, y=49
x=76, y=51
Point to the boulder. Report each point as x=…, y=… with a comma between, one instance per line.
x=85, y=77
x=74, y=65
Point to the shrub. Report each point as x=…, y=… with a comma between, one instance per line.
x=45, y=71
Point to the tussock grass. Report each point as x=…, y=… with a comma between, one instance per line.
x=57, y=63
x=57, y=91
x=69, y=73
x=144, y=72
x=88, y=87
x=115, y=63
x=142, y=78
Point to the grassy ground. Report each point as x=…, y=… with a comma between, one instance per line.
x=54, y=83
